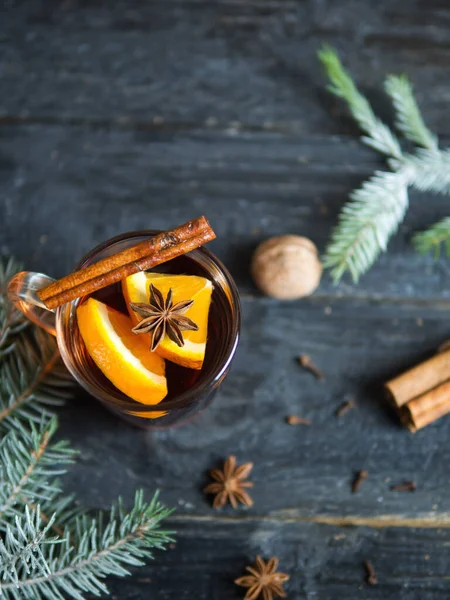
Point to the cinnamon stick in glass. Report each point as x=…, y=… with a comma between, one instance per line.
x=147, y=254
x=420, y=379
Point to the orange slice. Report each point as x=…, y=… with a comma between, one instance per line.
x=123, y=357
x=136, y=288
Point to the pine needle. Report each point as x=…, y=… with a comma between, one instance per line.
x=12, y=322
x=366, y=224
x=88, y=552
x=430, y=171
x=21, y=551
x=409, y=120
x=49, y=548
x=378, y=135
x=33, y=379
x=431, y=240
x=29, y=465
x=375, y=211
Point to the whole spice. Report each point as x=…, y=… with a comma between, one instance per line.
x=229, y=484
x=263, y=580
x=286, y=267
x=422, y=394
x=295, y=420
x=419, y=379
x=406, y=486
x=371, y=575
x=145, y=255
x=162, y=316
x=305, y=361
x=427, y=408
x=360, y=477
x=344, y=408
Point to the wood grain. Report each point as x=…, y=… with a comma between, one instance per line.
x=324, y=562
x=251, y=64
x=137, y=115
x=298, y=472
x=249, y=187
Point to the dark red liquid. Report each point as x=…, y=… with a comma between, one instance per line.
x=179, y=379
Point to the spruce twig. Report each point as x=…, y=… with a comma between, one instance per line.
x=77, y=567
x=22, y=551
x=366, y=224
x=12, y=321
x=430, y=171
x=409, y=120
x=378, y=135
x=433, y=238
x=28, y=472
x=375, y=211
x=49, y=549
x=33, y=379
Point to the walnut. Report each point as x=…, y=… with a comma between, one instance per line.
x=286, y=267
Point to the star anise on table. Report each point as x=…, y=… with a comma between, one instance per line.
x=229, y=484
x=263, y=580
x=161, y=317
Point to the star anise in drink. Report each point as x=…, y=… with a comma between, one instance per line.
x=161, y=317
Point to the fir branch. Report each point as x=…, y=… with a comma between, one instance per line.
x=34, y=565
x=12, y=321
x=375, y=211
x=366, y=223
x=433, y=238
x=64, y=511
x=430, y=171
x=378, y=135
x=22, y=550
x=33, y=379
x=409, y=120
x=28, y=471
x=99, y=550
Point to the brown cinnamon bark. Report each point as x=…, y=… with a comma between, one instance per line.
x=428, y=407
x=145, y=255
x=420, y=379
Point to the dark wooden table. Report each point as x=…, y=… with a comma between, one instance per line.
x=133, y=114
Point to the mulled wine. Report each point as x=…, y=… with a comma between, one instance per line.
x=188, y=389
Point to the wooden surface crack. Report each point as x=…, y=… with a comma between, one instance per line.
x=421, y=521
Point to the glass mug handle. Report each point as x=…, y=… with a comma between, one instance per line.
x=22, y=292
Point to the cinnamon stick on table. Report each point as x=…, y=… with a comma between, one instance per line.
x=428, y=407
x=420, y=379
x=145, y=255
x=422, y=394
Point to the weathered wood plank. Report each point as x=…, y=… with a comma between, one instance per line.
x=132, y=115
x=323, y=562
x=251, y=186
x=219, y=62
x=300, y=472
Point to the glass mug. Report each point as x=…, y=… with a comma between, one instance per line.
x=195, y=394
